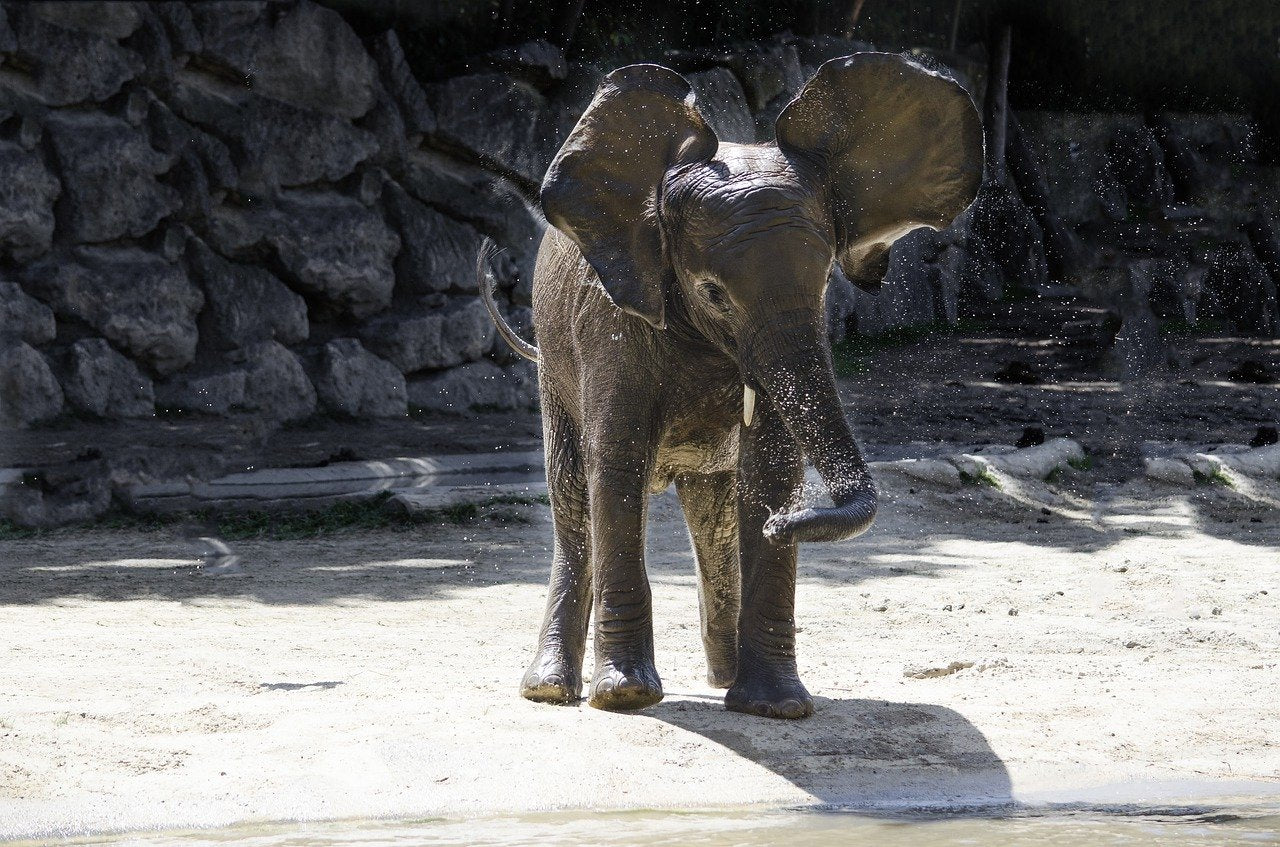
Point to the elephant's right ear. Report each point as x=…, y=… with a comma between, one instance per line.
x=602, y=187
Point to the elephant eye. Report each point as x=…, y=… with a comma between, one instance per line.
x=715, y=295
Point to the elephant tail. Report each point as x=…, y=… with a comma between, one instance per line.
x=486, y=284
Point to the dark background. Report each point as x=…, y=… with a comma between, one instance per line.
x=1106, y=55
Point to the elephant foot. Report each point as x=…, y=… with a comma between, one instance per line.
x=551, y=680
x=770, y=697
x=625, y=687
x=721, y=674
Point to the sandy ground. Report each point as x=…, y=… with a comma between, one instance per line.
x=976, y=646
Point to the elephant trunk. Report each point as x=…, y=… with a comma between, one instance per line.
x=794, y=371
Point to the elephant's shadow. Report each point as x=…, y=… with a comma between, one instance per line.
x=861, y=754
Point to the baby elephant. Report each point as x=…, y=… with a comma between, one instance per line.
x=678, y=306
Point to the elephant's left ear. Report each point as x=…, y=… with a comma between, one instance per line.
x=603, y=186
x=899, y=147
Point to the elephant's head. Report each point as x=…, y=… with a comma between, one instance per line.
x=736, y=242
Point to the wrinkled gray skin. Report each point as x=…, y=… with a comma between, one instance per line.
x=679, y=270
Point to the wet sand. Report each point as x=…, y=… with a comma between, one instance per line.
x=978, y=646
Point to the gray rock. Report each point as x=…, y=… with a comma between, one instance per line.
x=1138, y=347
x=402, y=85
x=27, y=194
x=307, y=57
x=1238, y=289
x=273, y=143
x=438, y=254
x=477, y=197
x=246, y=303
x=29, y=392
x=179, y=25
x=1008, y=236
x=1204, y=151
x=8, y=41
x=481, y=385
x=910, y=294
x=212, y=394
x=109, y=177
x=496, y=118
x=353, y=382
x=425, y=335
x=276, y=384
x=538, y=63
x=104, y=383
x=326, y=244
x=24, y=318
x=720, y=100
x=69, y=66
x=138, y=301
x=768, y=72
x=109, y=20
x=1072, y=150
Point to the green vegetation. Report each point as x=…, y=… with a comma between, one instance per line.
x=347, y=516
x=850, y=357
x=1218, y=477
x=984, y=477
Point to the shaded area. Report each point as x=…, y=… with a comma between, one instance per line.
x=863, y=753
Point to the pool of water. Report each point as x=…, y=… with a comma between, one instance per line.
x=1130, y=826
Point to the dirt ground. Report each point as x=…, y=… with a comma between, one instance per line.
x=977, y=646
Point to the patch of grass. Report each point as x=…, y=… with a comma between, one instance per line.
x=985, y=477
x=850, y=356
x=1085, y=463
x=346, y=516
x=1178, y=326
x=1218, y=477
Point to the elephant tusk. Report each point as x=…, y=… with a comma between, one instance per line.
x=748, y=404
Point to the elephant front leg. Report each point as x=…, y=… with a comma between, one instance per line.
x=710, y=503
x=555, y=675
x=625, y=676
x=771, y=475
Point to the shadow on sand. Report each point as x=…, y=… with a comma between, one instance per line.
x=866, y=755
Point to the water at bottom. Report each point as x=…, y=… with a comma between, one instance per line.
x=1015, y=827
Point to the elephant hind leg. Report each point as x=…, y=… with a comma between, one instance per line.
x=555, y=675
x=710, y=503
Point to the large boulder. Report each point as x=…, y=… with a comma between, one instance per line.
x=475, y=386
x=275, y=383
x=65, y=65
x=325, y=244
x=494, y=118
x=722, y=103
x=353, y=382
x=1205, y=151
x=911, y=293
x=216, y=393
x=266, y=378
x=539, y=63
x=273, y=143
x=27, y=194
x=29, y=392
x=24, y=318
x=307, y=56
x=107, y=19
x=1091, y=160
x=768, y=71
x=484, y=202
x=402, y=85
x=102, y=382
x=1238, y=289
x=246, y=303
x=431, y=334
x=109, y=175
x=438, y=253
x=137, y=300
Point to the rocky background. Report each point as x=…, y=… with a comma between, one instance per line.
x=233, y=209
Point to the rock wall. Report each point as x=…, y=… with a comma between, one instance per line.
x=241, y=208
